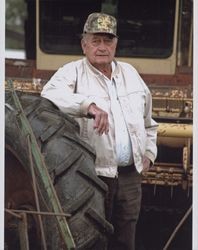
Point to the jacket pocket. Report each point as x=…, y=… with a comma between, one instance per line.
x=141, y=140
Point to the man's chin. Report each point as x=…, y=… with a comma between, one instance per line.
x=103, y=60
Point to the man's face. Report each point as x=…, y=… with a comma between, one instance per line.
x=99, y=48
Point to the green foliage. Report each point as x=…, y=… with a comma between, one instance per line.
x=15, y=16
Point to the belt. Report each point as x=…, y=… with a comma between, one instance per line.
x=126, y=169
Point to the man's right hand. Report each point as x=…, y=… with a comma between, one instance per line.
x=101, y=122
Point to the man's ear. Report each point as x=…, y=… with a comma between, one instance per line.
x=83, y=44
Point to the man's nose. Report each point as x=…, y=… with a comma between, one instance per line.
x=102, y=45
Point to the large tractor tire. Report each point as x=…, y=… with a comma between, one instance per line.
x=70, y=164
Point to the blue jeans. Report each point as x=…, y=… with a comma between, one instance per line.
x=122, y=206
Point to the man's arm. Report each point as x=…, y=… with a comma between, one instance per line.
x=151, y=131
x=60, y=90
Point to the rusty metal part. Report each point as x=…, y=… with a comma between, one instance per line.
x=173, y=142
x=186, y=155
x=172, y=107
x=168, y=101
x=175, y=130
x=171, y=174
x=22, y=228
x=16, y=68
x=33, y=85
x=166, y=247
x=23, y=232
x=15, y=212
x=23, y=223
x=175, y=135
x=36, y=193
x=168, y=175
x=172, y=101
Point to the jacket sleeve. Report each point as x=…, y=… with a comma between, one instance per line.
x=60, y=90
x=151, y=128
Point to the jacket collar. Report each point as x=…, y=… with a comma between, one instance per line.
x=95, y=71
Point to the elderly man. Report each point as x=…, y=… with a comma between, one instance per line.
x=122, y=131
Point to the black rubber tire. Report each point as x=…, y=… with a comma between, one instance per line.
x=70, y=163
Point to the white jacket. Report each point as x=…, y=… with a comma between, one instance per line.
x=78, y=84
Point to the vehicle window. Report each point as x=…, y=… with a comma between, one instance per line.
x=145, y=28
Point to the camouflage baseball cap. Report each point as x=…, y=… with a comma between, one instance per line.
x=100, y=23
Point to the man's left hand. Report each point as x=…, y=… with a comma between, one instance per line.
x=146, y=163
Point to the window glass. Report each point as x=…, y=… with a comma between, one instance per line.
x=145, y=28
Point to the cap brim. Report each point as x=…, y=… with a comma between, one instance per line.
x=102, y=32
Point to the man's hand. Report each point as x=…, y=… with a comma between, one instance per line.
x=101, y=123
x=146, y=163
